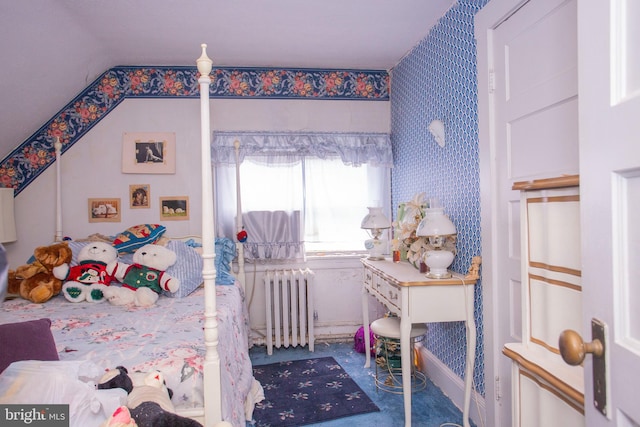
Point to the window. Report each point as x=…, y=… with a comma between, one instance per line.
x=309, y=187
x=332, y=197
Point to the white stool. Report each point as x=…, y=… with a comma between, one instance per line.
x=387, y=332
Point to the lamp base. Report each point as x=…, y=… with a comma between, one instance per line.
x=376, y=249
x=438, y=262
x=438, y=274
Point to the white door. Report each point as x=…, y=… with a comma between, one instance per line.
x=609, y=87
x=527, y=51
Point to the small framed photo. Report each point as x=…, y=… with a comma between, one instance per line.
x=104, y=210
x=174, y=208
x=148, y=152
x=139, y=196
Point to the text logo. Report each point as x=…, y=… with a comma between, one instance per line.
x=34, y=415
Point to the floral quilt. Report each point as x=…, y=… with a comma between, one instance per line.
x=168, y=337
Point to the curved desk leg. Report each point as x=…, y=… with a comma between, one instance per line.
x=406, y=360
x=365, y=323
x=471, y=357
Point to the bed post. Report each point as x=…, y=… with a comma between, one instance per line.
x=212, y=387
x=58, y=149
x=239, y=225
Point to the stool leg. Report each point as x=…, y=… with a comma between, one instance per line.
x=376, y=378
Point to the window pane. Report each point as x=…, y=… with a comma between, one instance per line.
x=333, y=196
x=337, y=197
x=271, y=187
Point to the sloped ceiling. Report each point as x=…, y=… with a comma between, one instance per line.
x=52, y=49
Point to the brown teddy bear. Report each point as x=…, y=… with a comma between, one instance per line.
x=35, y=281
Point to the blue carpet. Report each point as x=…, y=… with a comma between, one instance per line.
x=303, y=392
x=430, y=407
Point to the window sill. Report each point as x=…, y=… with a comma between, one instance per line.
x=337, y=255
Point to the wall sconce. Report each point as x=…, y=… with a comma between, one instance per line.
x=438, y=229
x=7, y=218
x=436, y=127
x=375, y=222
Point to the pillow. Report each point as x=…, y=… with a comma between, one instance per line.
x=30, y=340
x=76, y=247
x=187, y=268
x=188, y=265
x=137, y=236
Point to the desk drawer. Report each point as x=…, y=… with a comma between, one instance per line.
x=383, y=291
x=368, y=279
x=388, y=294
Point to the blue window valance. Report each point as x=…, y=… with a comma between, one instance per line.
x=353, y=148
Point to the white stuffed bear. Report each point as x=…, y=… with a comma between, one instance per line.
x=143, y=281
x=87, y=280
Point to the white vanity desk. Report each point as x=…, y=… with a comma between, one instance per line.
x=416, y=299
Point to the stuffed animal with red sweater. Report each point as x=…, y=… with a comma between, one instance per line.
x=143, y=280
x=87, y=280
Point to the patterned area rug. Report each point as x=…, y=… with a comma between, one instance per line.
x=307, y=391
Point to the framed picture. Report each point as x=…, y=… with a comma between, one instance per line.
x=174, y=208
x=139, y=196
x=104, y=210
x=145, y=152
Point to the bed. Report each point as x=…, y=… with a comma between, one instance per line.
x=179, y=336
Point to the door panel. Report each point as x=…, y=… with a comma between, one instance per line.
x=547, y=130
x=627, y=188
x=540, y=54
x=609, y=83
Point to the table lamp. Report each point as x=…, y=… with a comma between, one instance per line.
x=437, y=228
x=375, y=221
x=7, y=218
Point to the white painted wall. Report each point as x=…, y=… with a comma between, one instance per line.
x=92, y=169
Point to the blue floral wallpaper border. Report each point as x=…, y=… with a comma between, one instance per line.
x=34, y=155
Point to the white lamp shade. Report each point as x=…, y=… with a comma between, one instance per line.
x=375, y=219
x=7, y=218
x=435, y=223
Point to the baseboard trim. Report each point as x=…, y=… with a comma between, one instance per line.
x=451, y=384
x=259, y=339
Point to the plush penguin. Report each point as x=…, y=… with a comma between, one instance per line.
x=149, y=399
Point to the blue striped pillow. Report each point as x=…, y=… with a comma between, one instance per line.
x=187, y=269
x=188, y=266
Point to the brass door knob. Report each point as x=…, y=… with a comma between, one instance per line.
x=573, y=349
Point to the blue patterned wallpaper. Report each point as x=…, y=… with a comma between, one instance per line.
x=437, y=80
x=34, y=155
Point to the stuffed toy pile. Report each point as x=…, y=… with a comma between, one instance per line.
x=87, y=280
x=142, y=281
x=35, y=281
x=149, y=401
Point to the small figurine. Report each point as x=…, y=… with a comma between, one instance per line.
x=474, y=268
